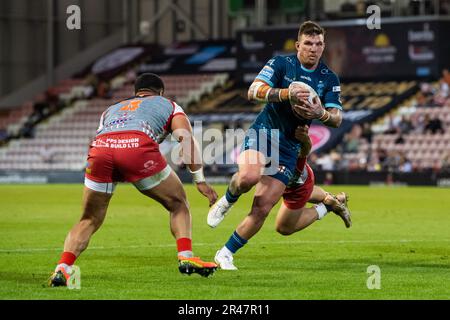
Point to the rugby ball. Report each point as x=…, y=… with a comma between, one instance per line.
x=298, y=84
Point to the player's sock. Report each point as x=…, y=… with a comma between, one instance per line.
x=184, y=246
x=235, y=242
x=231, y=198
x=67, y=260
x=322, y=210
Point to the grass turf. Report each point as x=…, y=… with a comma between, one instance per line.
x=404, y=231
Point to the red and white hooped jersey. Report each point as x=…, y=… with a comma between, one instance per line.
x=149, y=114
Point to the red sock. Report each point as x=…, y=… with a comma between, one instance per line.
x=184, y=244
x=67, y=258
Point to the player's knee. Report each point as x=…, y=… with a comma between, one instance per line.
x=177, y=203
x=284, y=230
x=91, y=221
x=248, y=179
x=261, y=211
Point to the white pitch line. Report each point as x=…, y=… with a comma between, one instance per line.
x=25, y=250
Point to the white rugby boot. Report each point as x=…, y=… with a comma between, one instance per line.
x=224, y=258
x=218, y=212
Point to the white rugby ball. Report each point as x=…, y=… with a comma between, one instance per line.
x=296, y=84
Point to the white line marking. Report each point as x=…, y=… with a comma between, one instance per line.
x=25, y=250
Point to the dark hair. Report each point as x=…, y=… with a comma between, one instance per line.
x=310, y=28
x=148, y=81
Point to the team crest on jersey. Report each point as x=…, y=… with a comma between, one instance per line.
x=320, y=88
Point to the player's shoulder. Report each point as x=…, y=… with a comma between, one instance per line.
x=326, y=72
x=283, y=60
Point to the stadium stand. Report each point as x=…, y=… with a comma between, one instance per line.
x=67, y=134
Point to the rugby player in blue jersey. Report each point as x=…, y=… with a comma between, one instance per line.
x=287, y=107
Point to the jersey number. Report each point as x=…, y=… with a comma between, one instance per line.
x=132, y=106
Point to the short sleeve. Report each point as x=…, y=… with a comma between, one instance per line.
x=177, y=110
x=332, y=96
x=273, y=71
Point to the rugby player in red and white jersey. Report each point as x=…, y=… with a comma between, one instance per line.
x=293, y=216
x=126, y=149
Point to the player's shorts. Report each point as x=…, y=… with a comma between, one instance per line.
x=261, y=139
x=297, y=196
x=128, y=156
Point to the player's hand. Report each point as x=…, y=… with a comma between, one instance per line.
x=301, y=134
x=309, y=111
x=298, y=94
x=208, y=191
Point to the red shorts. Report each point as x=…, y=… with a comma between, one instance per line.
x=297, y=197
x=127, y=156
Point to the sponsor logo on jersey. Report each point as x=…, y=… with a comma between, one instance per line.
x=306, y=78
x=337, y=89
x=267, y=72
x=288, y=79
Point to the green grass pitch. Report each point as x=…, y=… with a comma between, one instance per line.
x=404, y=231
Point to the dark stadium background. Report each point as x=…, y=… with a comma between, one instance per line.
x=55, y=82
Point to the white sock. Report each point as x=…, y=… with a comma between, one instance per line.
x=226, y=251
x=186, y=254
x=66, y=267
x=321, y=210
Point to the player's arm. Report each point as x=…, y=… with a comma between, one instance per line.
x=261, y=91
x=264, y=87
x=182, y=131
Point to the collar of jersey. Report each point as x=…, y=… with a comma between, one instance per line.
x=307, y=70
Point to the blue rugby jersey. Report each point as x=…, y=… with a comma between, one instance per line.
x=280, y=72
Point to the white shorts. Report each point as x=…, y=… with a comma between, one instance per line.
x=141, y=185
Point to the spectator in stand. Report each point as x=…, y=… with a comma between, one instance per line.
x=367, y=132
x=382, y=155
x=325, y=162
x=104, y=90
x=392, y=161
x=393, y=125
x=328, y=179
x=446, y=163
x=374, y=163
x=405, y=165
x=418, y=123
x=405, y=125
x=433, y=126
x=91, y=84
x=27, y=131
x=3, y=137
x=400, y=140
x=351, y=141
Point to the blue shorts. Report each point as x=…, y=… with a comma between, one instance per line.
x=281, y=154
